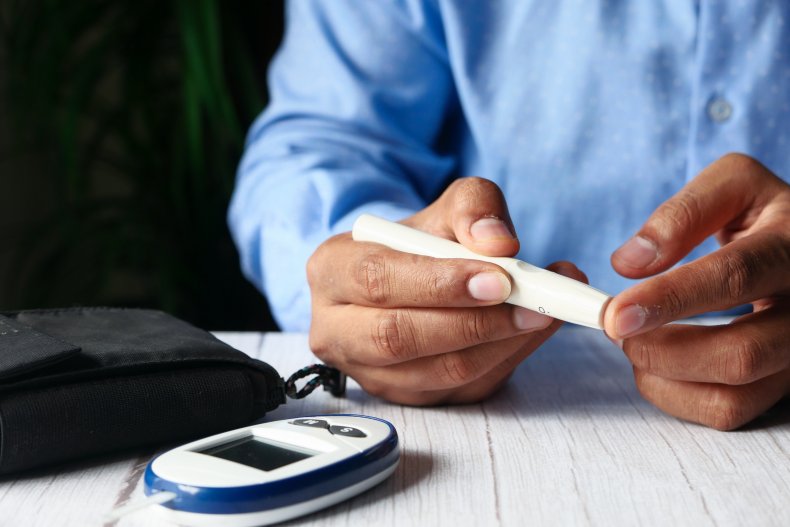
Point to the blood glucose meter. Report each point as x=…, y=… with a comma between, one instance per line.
x=272, y=472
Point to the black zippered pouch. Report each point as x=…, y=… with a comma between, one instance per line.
x=89, y=381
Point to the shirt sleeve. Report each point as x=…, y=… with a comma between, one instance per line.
x=359, y=92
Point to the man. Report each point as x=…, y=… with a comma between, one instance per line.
x=598, y=128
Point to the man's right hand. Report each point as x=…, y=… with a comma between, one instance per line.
x=420, y=330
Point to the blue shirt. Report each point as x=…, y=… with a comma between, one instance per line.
x=588, y=115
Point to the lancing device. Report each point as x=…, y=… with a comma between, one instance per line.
x=532, y=287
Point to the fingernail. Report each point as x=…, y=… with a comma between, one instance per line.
x=525, y=319
x=637, y=252
x=630, y=320
x=486, y=229
x=489, y=287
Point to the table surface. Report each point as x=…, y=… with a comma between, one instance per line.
x=568, y=441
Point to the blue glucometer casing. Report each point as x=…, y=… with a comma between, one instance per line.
x=274, y=471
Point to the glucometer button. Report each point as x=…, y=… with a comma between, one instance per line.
x=348, y=431
x=315, y=423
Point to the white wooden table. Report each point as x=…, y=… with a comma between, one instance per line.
x=569, y=441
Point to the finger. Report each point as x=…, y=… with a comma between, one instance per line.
x=370, y=274
x=477, y=390
x=496, y=378
x=437, y=379
x=752, y=347
x=740, y=272
x=715, y=405
x=474, y=212
x=382, y=337
x=719, y=196
x=461, y=376
x=359, y=335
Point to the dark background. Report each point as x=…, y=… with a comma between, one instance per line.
x=121, y=126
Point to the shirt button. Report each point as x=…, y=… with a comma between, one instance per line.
x=719, y=109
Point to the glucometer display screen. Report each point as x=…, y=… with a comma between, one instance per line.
x=256, y=453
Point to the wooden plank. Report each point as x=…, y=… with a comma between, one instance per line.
x=586, y=450
x=78, y=494
x=568, y=441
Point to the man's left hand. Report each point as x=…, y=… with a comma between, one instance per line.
x=720, y=376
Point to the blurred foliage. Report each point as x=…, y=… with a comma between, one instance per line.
x=132, y=116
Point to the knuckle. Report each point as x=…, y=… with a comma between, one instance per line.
x=677, y=215
x=477, y=327
x=742, y=163
x=742, y=362
x=454, y=369
x=320, y=344
x=640, y=353
x=674, y=303
x=723, y=410
x=480, y=184
x=438, y=284
x=314, y=265
x=471, y=189
x=372, y=277
x=750, y=169
x=392, y=338
x=740, y=270
x=471, y=183
x=316, y=342
x=311, y=269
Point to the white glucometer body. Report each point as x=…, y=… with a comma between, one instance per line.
x=532, y=287
x=273, y=472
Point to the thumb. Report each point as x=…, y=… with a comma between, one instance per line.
x=475, y=213
x=735, y=187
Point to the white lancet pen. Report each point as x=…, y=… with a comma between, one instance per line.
x=533, y=288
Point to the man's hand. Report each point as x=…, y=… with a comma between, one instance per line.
x=720, y=376
x=420, y=330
